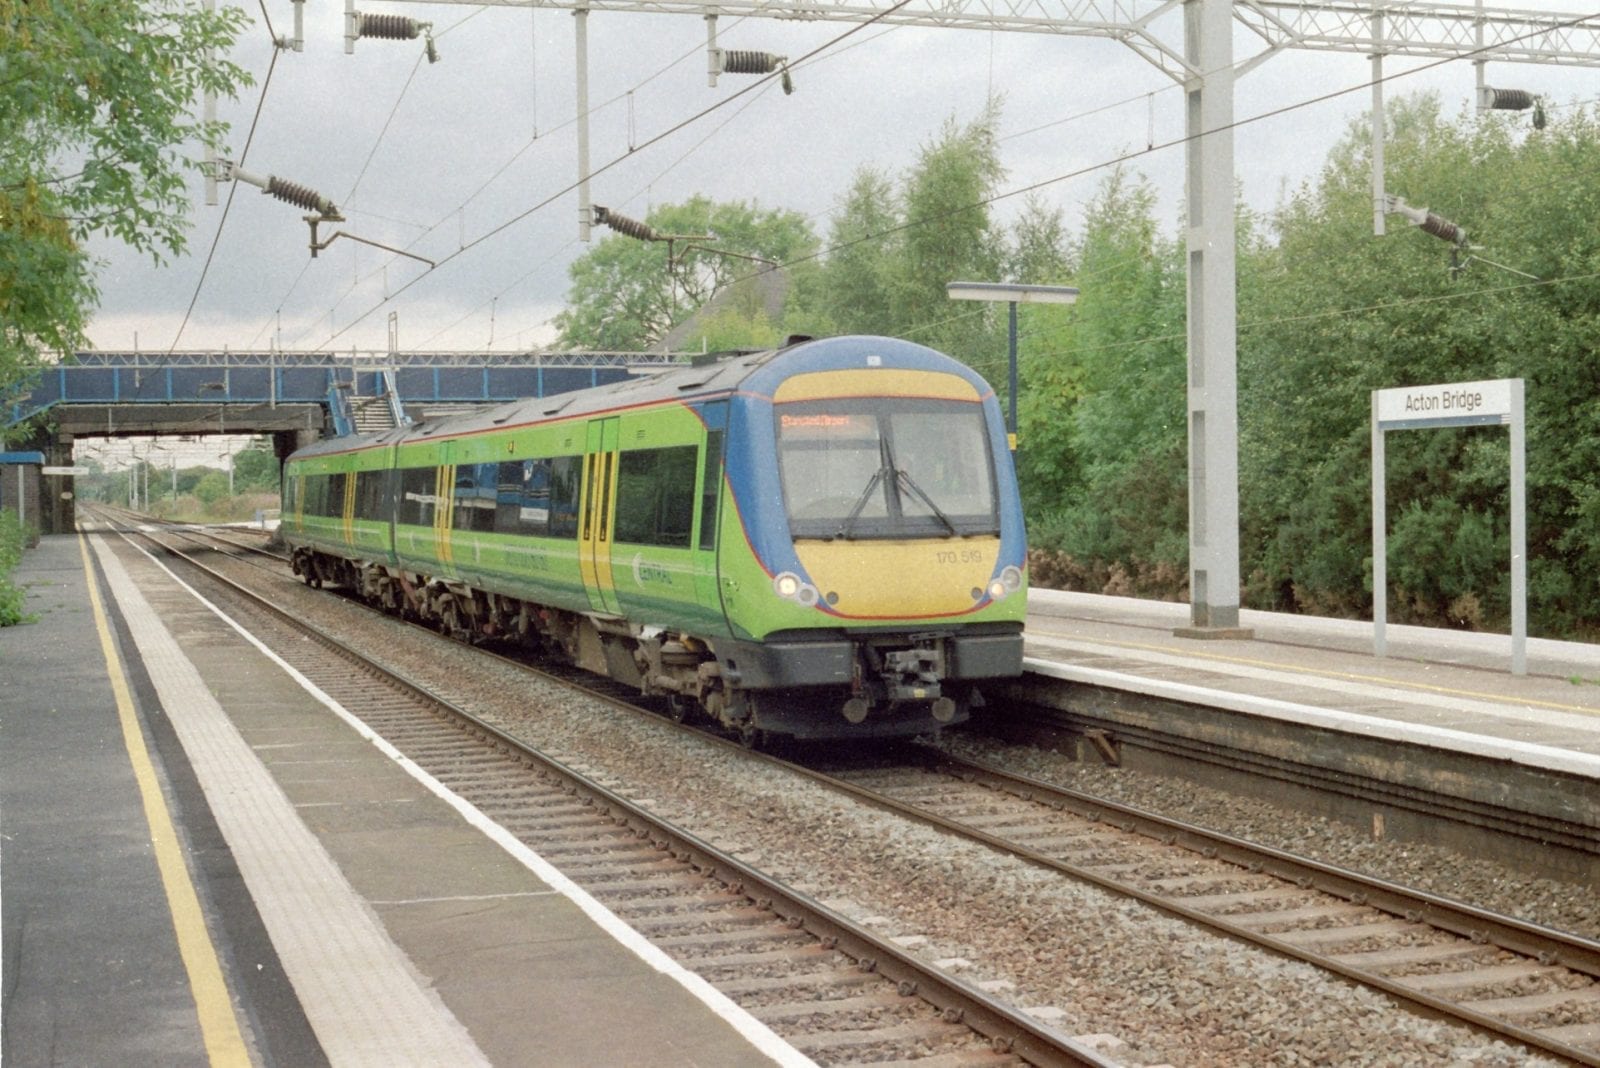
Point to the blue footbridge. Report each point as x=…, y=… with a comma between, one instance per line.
x=296, y=397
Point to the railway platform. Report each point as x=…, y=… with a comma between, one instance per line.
x=201, y=862
x=1438, y=721
x=1437, y=687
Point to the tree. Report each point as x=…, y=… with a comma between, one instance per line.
x=211, y=487
x=863, y=246
x=950, y=236
x=96, y=102
x=256, y=468
x=626, y=295
x=1342, y=313
x=1118, y=485
x=1040, y=252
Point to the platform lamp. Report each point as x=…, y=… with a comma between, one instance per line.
x=1012, y=293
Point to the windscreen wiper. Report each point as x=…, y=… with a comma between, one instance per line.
x=903, y=478
x=885, y=470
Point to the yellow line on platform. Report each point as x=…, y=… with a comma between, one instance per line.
x=219, y=1027
x=1349, y=676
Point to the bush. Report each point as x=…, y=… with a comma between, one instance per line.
x=12, y=536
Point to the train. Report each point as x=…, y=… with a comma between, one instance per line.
x=822, y=540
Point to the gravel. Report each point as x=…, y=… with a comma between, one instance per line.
x=1565, y=906
x=1088, y=962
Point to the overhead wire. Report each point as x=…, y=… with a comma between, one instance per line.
x=603, y=168
x=1154, y=148
x=482, y=187
x=1123, y=158
x=659, y=175
x=222, y=222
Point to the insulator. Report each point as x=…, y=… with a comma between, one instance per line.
x=735, y=62
x=623, y=225
x=1510, y=99
x=1443, y=228
x=388, y=27
x=300, y=196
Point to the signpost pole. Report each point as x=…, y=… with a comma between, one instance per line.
x=1491, y=403
x=1519, y=535
x=1380, y=538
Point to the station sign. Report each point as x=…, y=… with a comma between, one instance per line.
x=1451, y=404
x=64, y=471
x=1492, y=403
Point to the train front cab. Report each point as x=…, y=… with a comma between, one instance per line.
x=897, y=569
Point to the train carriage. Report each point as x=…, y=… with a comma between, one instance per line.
x=820, y=540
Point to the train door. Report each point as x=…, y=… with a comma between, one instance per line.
x=598, y=508
x=706, y=585
x=347, y=508
x=444, y=480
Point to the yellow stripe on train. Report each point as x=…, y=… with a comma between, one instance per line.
x=822, y=385
x=926, y=577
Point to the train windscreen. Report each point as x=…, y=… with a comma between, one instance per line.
x=886, y=467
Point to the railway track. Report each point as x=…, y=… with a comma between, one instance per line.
x=835, y=989
x=1518, y=981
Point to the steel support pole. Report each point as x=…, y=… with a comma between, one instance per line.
x=585, y=209
x=1380, y=538
x=1011, y=397
x=1519, y=531
x=1377, y=125
x=1213, y=376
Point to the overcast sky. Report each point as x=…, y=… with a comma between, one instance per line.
x=453, y=160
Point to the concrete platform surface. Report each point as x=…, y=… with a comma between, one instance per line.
x=1443, y=688
x=307, y=899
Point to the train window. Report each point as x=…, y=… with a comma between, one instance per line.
x=371, y=494
x=710, y=490
x=566, y=478
x=886, y=467
x=333, y=504
x=418, y=496
x=655, y=496
x=522, y=498
x=475, y=489
x=316, y=493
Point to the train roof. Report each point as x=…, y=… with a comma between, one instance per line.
x=722, y=373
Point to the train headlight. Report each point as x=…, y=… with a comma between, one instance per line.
x=1009, y=582
x=790, y=587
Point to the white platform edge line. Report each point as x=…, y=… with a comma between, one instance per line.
x=1292, y=628
x=1506, y=711
x=758, y=1033
x=364, y=998
x=1541, y=756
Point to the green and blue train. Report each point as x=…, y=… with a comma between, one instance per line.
x=823, y=540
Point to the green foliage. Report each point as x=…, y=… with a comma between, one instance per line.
x=256, y=468
x=1105, y=479
x=96, y=101
x=1341, y=313
x=12, y=536
x=862, y=246
x=625, y=294
x=211, y=488
x=1327, y=313
x=950, y=236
